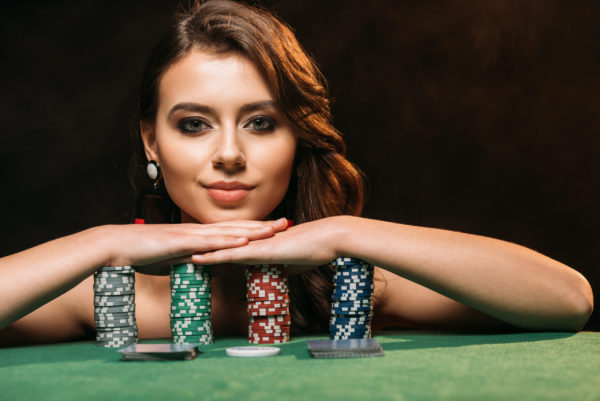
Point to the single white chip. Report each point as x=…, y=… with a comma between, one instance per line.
x=252, y=351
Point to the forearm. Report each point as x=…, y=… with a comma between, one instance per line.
x=507, y=281
x=37, y=275
x=33, y=277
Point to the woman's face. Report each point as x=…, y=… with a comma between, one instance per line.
x=225, y=151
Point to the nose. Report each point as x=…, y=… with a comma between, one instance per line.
x=229, y=155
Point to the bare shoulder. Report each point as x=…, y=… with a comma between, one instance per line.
x=399, y=302
x=67, y=317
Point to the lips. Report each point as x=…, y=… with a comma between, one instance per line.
x=228, y=192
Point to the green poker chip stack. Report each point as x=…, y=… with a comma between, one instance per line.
x=191, y=304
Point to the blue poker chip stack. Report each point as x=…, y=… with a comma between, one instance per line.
x=114, y=306
x=351, y=307
x=191, y=304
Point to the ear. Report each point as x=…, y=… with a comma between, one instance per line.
x=149, y=139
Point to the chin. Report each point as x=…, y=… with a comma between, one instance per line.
x=221, y=215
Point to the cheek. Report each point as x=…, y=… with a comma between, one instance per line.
x=174, y=159
x=276, y=161
x=180, y=163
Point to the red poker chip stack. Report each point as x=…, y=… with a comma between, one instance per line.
x=268, y=305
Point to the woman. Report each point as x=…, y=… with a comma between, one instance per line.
x=236, y=118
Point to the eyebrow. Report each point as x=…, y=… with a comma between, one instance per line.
x=201, y=108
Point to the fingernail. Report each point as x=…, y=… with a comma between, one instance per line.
x=290, y=223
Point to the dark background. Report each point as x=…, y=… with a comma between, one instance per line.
x=477, y=116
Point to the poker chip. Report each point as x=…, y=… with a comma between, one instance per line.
x=190, y=316
x=268, y=304
x=114, y=309
x=252, y=351
x=192, y=331
x=99, y=297
x=198, y=303
x=353, y=287
x=349, y=328
x=178, y=301
x=346, y=320
x=113, y=333
x=200, y=324
x=190, y=295
x=282, y=320
x=105, y=286
x=255, y=305
x=191, y=338
x=114, y=306
x=277, y=295
x=338, y=307
x=351, y=306
x=339, y=294
x=123, y=269
x=114, y=315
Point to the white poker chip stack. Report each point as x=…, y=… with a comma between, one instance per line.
x=114, y=306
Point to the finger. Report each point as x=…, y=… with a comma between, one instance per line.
x=252, y=223
x=282, y=224
x=211, y=243
x=250, y=233
x=183, y=255
x=231, y=255
x=254, y=232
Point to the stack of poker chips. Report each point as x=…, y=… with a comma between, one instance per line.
x=191, y=304
x=351, y=307
x=268, y=305
x=114, y=306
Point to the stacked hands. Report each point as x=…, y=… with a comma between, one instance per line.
x=152, y=248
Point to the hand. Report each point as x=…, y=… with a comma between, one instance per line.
x=152, y=248
x=302, y=247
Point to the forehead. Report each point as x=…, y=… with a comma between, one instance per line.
x=207, y=77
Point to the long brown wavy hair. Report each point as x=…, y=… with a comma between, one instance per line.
x=323, y=183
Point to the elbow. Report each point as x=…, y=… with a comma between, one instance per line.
x=581, y=306
x=578, y=319
x=585, y=310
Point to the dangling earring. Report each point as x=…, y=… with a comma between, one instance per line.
x=153, y=205
x=153, y=171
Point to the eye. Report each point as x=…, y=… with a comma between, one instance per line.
x=262, y=124
x=192, y=125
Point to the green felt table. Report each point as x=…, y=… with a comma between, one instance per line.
x=416, y=366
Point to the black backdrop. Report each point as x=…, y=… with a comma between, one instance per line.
x=474, y=116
